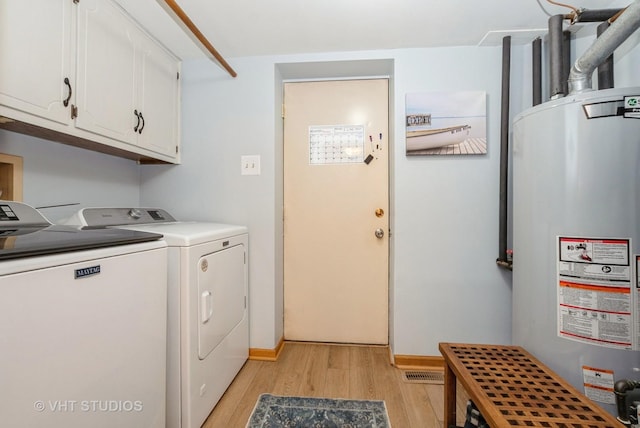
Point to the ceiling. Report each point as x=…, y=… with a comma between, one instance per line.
x=238, y=28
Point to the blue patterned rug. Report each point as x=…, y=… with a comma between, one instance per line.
x=272, y=411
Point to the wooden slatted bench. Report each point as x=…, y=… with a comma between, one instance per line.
x=510, y=387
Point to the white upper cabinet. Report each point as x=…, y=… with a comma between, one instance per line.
x=106, y=96
x=127, y=83
x=87, y=70
x=158, y=99
x=36, y=57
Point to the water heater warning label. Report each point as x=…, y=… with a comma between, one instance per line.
x=594, y=291
x=604, y=259
x=598, y=384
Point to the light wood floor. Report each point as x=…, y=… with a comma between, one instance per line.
x=334, y=371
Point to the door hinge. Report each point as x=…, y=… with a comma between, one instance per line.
x=74, y=111
x=282, y=112
x=176, y=149
x=245, y=302
x=76, y=1
x=178, y=75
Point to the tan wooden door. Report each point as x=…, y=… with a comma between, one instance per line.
x=335, y=199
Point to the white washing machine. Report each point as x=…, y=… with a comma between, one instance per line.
x=82, y=325
x=208, y=326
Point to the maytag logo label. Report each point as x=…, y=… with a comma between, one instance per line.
x=89, y=271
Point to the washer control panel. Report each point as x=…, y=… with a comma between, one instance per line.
x=7, y=214
x=19, y=214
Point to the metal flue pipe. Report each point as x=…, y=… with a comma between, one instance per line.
x=616, y=34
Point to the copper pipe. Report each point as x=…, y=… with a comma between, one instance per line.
x=614, y=17
x=179, y=13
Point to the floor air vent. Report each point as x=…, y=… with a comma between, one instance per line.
x=423, y=376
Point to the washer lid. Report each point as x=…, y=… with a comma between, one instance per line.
x=19, y=242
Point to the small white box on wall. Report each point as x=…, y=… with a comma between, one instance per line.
x=250, y=165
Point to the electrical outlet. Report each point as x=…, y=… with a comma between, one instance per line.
x=250, y=165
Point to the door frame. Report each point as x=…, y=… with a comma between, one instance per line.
x=372, y=292
x=314, y=71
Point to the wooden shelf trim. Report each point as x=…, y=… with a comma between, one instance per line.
x=184, y=18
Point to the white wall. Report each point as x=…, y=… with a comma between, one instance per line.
x=57, y=174
x=444, y=211
x=445, y=283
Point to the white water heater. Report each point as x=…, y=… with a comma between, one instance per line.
x=576, y=237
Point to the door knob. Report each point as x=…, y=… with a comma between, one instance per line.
x=379, y=233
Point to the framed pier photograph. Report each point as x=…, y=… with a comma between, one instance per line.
x=446, y=123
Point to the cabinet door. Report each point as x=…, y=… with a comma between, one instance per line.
x=159, y=99
x=106, y=71
x=35, y=57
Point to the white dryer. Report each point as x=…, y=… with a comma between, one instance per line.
x=208, y=326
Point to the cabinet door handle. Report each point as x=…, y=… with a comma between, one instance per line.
x=142, y=127
x=138, y=115
x=66, y=82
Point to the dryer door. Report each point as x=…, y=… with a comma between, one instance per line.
x=221, y=301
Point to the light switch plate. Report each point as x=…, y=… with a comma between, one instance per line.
x=250, y=165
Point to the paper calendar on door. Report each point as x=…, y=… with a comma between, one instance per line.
x=335, y=144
